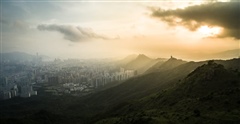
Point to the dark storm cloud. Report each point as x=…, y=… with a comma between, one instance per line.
x=225, y=15
x=72, y=33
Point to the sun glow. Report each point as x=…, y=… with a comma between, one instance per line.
x=207, y=31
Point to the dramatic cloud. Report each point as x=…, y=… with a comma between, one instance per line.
x=72, y=33
x=225, y=15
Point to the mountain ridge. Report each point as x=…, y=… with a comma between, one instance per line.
x=166, y=65
x=190, y=101
x=20, y=56
x=158, y=97
x=141, y=63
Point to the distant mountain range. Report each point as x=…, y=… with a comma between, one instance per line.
x=227, y=54
x=20, y=56
x=141, y=63
x=133, y=96
x=209, y=94
x=127, y=59
x=175, y=91
x=144, y=64
x=166, y=65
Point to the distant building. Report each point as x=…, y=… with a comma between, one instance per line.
x=27, y=91
x=3, y=81
x=5, y=95
x=122, y=70
x=53, y=80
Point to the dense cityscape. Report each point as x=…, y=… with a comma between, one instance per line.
x=58, y=77
x=120, y=62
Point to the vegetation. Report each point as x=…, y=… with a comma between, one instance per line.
x=210, y=94
x=193, y=92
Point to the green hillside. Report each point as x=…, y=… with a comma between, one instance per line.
x=188, y=93
x=164, y=66
x=210, y=94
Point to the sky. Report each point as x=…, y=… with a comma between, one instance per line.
x=116, y=28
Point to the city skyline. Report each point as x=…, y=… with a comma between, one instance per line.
x=101, y=29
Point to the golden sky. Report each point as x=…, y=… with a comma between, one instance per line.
x=114, y=28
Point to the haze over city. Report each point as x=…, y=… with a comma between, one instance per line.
x=191, y=30
x=120, y=62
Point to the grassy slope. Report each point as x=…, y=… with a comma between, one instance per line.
x=210, y=94
x=116, y=100
x=164, y=66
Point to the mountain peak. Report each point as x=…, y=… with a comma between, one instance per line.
x=173, y=58
x=208, y=70
x=142, y=56
x=141, y=63
x=175, y=61
x=210, y=77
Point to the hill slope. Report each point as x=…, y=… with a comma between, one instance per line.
x=210, y=94
x=20, y=57
x=126, y=60
x=16, y=56
x=164, y=66
x=139, y=87
x=162, y=97
x=141, y=63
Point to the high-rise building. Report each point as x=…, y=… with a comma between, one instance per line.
x=53, y=80
x=3, y=81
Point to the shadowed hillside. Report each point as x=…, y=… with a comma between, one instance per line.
x=209, y=94
x=164, y=66
x=139, y=87
x=188, y=93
